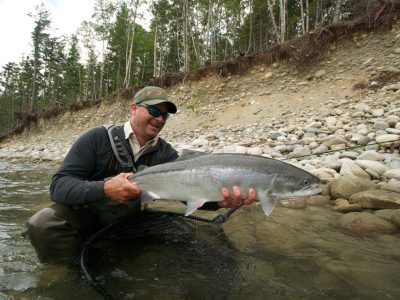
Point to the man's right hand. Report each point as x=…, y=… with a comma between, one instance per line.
x=120, y=189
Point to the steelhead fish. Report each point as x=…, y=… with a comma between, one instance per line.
x=200, y=179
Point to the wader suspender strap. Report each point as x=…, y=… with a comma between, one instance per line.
x=120, y=151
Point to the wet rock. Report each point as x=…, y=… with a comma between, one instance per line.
x=396, y=218
x=348, y=208
x=366, y=223
x=341, y=202
x=348, y=185
x=376, y=199
x=386, y=214
x=318, y=200
x=296, y=203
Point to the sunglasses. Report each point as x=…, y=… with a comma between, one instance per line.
x=155, y=112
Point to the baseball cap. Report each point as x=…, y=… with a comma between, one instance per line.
x=153, y=95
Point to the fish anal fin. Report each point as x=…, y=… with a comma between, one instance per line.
x=147, y=196
x=193, y=205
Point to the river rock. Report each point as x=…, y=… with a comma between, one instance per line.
x=366, y=223
x=345, y=186
x=371, y=155
x=362, y=107
x=341, y=202
x=349, y=167
x=335, y=140
x=386, y=214
x=376, y=199
x=332, y=162
x=396, y=218
x=393, y=173
x=294, y=203
x=255, y=151
x=387, y=138
x=380, y=125
x=378, y=112
x=318, y=200
x=375, y=166
x=393, y=185
x=348, y=208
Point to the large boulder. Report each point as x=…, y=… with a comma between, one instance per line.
x=344, y=187
x=376, y=199
x=366, y=223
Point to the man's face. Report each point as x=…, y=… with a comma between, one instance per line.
x=146, y=126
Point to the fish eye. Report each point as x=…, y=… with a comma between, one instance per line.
x=306, y=182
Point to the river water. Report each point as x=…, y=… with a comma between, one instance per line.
x=294, y=254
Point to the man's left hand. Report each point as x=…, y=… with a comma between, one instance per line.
x=236, y=199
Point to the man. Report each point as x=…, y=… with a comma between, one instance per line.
x=91, y=189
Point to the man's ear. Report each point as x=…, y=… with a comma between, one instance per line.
x=133, y=107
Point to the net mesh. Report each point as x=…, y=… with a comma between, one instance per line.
x=161, y=255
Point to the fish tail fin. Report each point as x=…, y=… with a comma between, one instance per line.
x=267, y=202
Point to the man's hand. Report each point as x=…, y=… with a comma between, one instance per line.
x=237, y=198
x=120, y=189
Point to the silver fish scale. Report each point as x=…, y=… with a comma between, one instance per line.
x=201, y=183
x=202, y=178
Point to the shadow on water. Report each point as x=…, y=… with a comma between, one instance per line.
x=293, y=254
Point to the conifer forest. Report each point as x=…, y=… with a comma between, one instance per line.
x=130, y=42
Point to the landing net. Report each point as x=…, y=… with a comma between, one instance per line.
x=161, y=255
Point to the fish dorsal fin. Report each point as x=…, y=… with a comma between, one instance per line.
x=190, y=154
x=193, y=205
x=267, y=201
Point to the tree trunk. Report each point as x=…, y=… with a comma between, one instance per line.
x=303, y=25
x=251, y=26
x=283, y=20
x=186, y=41
x=209, y=35
x=338, y=9
x=155, y=70
x=128, y=66
x=307, y=16
x=33, y=92
x=274, y=26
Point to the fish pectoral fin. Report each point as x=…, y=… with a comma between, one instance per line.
x=147, y=196
x=193, y=205
x=267, y=201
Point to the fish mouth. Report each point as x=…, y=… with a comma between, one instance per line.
x=307, y=191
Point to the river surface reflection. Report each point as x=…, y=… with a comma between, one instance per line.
x=294, y=254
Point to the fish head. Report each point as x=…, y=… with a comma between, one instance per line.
x=297, y=183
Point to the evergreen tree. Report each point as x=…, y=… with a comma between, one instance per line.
x=39, y=37
x=73, y=73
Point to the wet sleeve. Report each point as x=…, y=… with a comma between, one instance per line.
x=71, y=184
